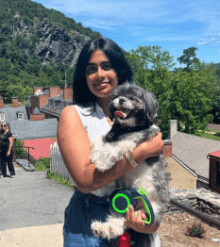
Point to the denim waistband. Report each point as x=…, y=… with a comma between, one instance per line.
x=89, y=197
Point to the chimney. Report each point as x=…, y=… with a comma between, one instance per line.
x=14, y=102
x=43, y=100
x=167, y=148
x=36, y=117
x=55, y=91
x=36, y=88
x=172, y=128
x=1, y=103
x=67, y=93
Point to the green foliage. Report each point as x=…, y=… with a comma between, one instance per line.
x=59, y=179
x=184, y=95
x=18, y=90
x=19, y=65
x=195, y=230
x=189, y=57
x=43, y=164
x=19, y=150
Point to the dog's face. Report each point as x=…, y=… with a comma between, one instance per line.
x=132, y=106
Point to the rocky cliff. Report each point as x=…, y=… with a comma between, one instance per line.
x=51, y=40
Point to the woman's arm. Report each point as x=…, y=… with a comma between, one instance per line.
x=75, y=149
x=10, y=145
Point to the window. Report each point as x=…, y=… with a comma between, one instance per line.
x=2, y=117
x=57, y=102
x=51, y=103
x=20, y=116
x=64, y=104
x=217, y=173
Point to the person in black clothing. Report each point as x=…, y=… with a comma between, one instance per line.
x=6, y=146
x=0, y=151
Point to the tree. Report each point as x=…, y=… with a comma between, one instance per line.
x=145, y=59
x=191, y=102
x=188, y=57
x=14, y=91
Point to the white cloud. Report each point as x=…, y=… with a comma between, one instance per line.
x=202, y=43
x=158, y=20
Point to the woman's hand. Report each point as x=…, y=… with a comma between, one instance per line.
x=8, y=153
x=137, y=224
x=154, y=146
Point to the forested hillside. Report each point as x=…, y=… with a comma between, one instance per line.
x=38, y=46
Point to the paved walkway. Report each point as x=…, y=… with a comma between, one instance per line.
x=32, y=210
x=214, y=126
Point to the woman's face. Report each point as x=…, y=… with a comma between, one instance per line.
x=101, y=78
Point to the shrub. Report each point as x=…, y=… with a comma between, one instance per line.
x=195, y=230
x=43, y=164
x=19, y=150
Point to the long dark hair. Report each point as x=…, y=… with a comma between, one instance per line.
x=81, y=92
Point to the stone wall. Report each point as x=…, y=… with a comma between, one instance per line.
x=203, y=200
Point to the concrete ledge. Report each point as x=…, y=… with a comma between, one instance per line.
x=24, y=164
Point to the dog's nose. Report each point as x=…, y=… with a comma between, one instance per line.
x=121, y=101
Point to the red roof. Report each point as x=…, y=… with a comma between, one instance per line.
x=215, y=154
x=41, y=147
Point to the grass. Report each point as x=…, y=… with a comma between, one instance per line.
x=60, y=179
x=210, y=130
x=211, y=136
x=43, y=164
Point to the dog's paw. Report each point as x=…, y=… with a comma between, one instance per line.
x=100, y=230
x=115, y=232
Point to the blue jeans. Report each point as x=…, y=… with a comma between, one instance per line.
x=1, y=167
x=79, y=214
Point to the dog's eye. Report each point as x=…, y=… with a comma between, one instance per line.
x=134, y=98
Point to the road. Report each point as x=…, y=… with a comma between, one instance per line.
x=32, y=210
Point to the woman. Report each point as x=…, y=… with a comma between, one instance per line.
x=101, y=68
x=6, y=145
x=0, y=151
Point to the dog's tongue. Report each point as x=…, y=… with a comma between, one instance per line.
x=120, y=114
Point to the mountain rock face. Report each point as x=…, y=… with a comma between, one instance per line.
x=53, y=41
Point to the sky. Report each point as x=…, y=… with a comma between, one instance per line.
x=172, y=25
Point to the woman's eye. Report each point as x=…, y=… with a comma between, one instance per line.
x=106, y=66
x=90, y=69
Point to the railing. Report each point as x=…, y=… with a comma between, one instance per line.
x=57, y=165
x=14, y=146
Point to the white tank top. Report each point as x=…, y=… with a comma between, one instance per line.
x=95, y=123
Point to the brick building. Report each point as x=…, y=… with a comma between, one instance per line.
x=47, y=103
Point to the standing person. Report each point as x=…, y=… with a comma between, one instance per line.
x=100, y=69
x=6, y=144
x=0, y=151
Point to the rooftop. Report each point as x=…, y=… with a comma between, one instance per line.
x=41, y=147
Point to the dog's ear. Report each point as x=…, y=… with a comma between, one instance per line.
x=151, y=106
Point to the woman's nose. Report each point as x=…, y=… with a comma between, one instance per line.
x=100, y=73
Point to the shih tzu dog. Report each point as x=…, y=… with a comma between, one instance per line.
x=133, y=111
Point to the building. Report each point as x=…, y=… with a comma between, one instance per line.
x=47, y=103
x=214, y=171
x=190, y=159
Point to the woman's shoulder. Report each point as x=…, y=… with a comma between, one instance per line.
x=80, y=108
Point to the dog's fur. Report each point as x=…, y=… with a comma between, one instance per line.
x=133, y=111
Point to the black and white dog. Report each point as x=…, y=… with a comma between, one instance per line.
x=133, y=111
